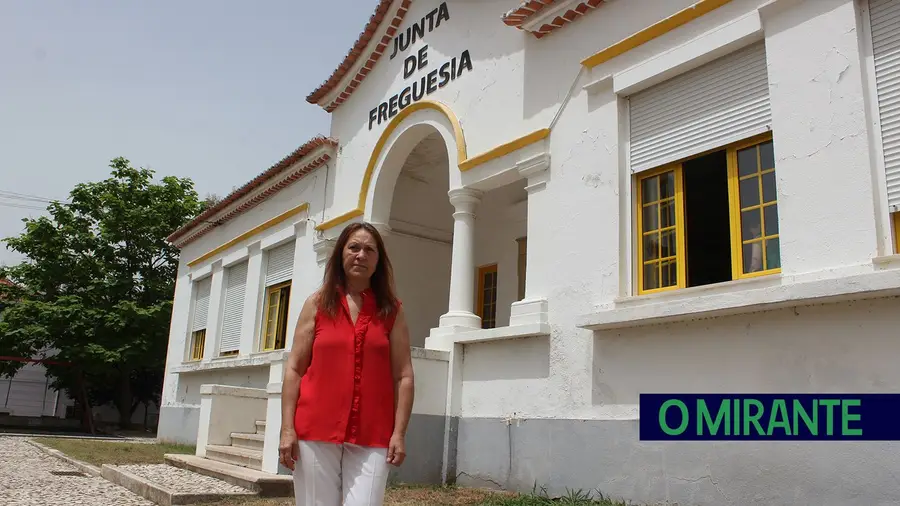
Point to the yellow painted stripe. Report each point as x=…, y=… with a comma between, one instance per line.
x=504, y=149
x=653, y=31
x=250, y=233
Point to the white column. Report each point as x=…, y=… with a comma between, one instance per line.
x=272, y=437
x=533, y=309
x=462, y=265
x=255, y=278
x=214, y=315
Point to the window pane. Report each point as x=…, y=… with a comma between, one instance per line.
x=667, y=213
x=747, y=161
x=649, y=190
x=669, y=273
x=651, y=247
x=752, y=254
x=749, y=192
x=768, y=184
x=750, y=225
x=667, y=185
x=770, y=216
x=651, y=276
x=667, y=244
x=773, y=254
x=767, y=155
x=651, y=217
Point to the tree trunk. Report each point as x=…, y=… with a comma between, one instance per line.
x=124, y=400
x=87, y=415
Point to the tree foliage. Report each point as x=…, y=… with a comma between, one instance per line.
x=95, y=290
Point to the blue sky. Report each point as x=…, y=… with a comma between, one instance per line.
x=211, y=90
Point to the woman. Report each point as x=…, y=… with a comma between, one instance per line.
x=348, y=385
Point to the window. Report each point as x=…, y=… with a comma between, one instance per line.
x=523, y=249
x=233, y=309
x=198, y=342
x=709, y=218
x=202, y=290
x=487, y=296
x=275, y=317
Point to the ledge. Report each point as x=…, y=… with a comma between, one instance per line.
x=231, y=391
x=255, y=360
x=747, y=296
x=428, y=354
x=502, y=333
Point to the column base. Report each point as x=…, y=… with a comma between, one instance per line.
x=466, y=319
x=451, y=323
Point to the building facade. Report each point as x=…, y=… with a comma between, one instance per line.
x=583, y=201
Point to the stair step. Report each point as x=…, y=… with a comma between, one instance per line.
x=265, y=484
x=246, y=440
x=260, y=426
x=244, y=457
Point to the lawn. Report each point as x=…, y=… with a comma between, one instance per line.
x=110, y=452
x=451, y=496
x=113, y=452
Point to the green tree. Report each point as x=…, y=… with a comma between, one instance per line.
x=95, y=290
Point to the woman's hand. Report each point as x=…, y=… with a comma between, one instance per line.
x=396, y=450
x=288, y=450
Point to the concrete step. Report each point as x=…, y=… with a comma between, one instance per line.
x=171, y=485
x=260, y=426
x=244, y=457
x=245, y=440
x=264, y=484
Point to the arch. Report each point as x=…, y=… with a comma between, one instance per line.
x=388, y=140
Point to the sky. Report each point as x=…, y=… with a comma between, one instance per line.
x=212, y=90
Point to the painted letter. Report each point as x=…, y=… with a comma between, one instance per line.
x=465, y=62
x=846, y=417
x=685, y=418
x=443, y=13
x=423, y=56
x=372, y=117
x=395, y=49
x=703, y=418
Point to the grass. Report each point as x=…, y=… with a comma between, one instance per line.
x=111, y=452
x=98, y=453
x=404, y=495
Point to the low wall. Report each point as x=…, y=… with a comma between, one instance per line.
x=427, y=425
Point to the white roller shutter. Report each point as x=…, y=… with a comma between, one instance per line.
x=885, y=19
x=280, y=265
x=721, y=102
x=201, y=304
x=233, y=311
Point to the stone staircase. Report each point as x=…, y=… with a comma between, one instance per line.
x=245, y=450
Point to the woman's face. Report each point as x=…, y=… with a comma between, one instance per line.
x=360, y=256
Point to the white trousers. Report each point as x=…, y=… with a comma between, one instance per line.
x=329, y=474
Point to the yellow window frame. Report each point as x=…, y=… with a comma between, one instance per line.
x=734, y=180
x=198, y=342
x=681, y=239
x=896, y=220
x=273, y=301
x=483, y=271
x=640, y=204
x=522, y=262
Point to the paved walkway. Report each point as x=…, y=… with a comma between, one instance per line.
x=27, y=479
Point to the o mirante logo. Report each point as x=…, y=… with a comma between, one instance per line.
x=779, y=417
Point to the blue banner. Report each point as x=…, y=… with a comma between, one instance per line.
x=774, y=417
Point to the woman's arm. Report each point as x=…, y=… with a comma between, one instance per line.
x=404, y=387
x=298, y=361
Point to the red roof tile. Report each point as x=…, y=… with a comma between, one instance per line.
x=359, y=50
x=254, y=184
x=519, y=16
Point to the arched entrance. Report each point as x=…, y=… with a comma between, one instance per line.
x=409, y=201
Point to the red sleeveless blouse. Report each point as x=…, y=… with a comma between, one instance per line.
x=347, y=393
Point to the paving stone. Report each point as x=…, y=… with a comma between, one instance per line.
x=182, y=481
x=28, y=477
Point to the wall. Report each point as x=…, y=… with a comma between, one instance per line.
x=422, y=277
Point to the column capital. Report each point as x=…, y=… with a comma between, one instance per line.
x=463, y=198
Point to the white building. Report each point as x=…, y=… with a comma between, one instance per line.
x=631, y=143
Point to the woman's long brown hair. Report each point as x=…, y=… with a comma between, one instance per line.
x=381, y=282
